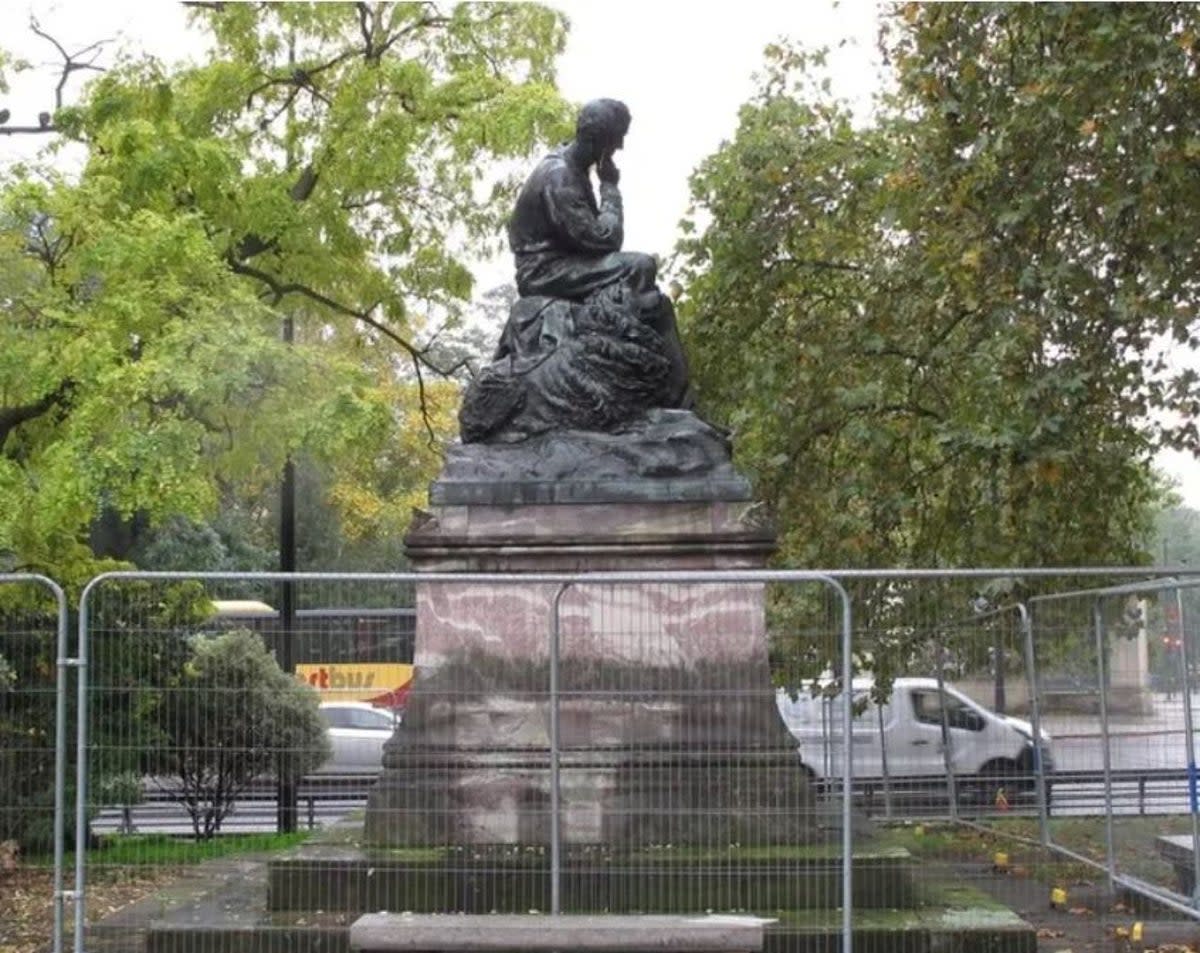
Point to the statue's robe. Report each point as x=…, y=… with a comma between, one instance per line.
x=567, y=245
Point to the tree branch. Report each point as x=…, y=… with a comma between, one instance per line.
x=813, y=263
x=13, y=417
x=366, y=28
x=71, y=61
x=278, y=290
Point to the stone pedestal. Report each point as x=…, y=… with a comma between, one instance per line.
x=668, y=725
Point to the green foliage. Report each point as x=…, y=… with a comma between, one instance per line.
x=27, y=729
x=329, y=163
x=938, y=336
x=227, y=720
x=1178, y=537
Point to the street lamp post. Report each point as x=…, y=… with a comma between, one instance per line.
x=286, y=817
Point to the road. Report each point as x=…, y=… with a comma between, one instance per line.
x=1153, y=742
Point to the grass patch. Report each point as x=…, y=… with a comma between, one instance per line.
x=162, y=850
x=773, y=853
x=1134, y=839
x=823, y=921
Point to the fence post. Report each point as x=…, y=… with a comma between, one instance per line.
x=555, y=761
x=1102, y=672
x=883, y=766
x=81, y=765
x=63, y=663
x=847, y=771
x=947, y=754
x=1189, y=740
x=1035, y=719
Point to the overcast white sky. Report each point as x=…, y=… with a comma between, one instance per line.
x=684, y=69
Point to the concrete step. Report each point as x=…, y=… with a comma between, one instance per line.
x=924, y=930
x=517, y=880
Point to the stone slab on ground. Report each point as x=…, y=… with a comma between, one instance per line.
x=617, y=933
x=1178, y=851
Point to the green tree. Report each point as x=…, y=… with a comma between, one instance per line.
x=1177, y=544
x=940, y=336
x=225, y=721
x=1178, y=532
x=330, y=164
x=134, y=645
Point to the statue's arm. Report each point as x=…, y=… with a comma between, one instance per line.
x=581, y=228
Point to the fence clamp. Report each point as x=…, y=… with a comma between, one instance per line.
x=70, y=662
x=66, y=896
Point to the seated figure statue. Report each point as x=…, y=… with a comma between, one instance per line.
x=564, y=244
x=591, y=344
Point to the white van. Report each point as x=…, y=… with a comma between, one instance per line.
x=907, y=732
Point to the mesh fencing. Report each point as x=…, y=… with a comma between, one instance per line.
x=1114, y=666
x=34, y=788
x=227, y=720
x=259, y=754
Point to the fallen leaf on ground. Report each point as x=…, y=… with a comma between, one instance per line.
x=1046, y=933
x=1080, y=912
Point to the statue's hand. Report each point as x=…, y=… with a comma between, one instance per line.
x=607, y=171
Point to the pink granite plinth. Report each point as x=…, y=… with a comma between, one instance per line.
x=667, y=720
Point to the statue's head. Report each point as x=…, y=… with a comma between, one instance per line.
x=601, y=127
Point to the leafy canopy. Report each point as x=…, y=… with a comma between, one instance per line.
x=942, y=337
x=331, y=163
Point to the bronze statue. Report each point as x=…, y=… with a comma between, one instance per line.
x=565, y=245
x=592, y=343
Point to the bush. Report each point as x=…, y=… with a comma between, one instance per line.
x=231, y=718
x=27, y=740
x=137, y=646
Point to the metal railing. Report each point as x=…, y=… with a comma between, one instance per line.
x=1100, y=604
x=839, y=623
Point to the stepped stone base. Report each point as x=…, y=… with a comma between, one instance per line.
x=306, y=901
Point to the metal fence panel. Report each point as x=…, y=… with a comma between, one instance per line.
x=1119, y=669
x=709, y=803
x=190, y=724
x=33, y=723
x=1031, y=646
x=926, y=801
x=635, y=715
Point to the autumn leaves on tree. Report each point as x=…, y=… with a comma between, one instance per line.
x=328, y=164
x=948, y=334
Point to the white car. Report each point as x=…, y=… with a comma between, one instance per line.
x=917, y=732
x=357, y=732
